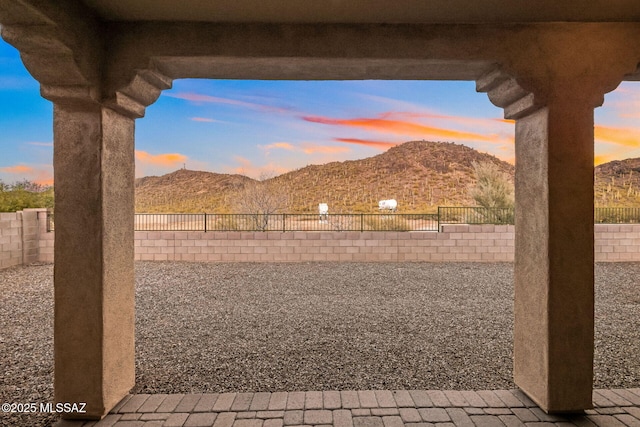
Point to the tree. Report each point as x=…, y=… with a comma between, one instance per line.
x=25, y=194
x=261, y=200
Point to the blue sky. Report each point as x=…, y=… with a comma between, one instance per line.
x=270, y=127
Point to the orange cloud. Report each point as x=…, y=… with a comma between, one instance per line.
x=18, y=169
x=627, y=137
x=602, y=158
x=166, y=160
x=459, y=119
x=400, y=127
x=42, y=174
x=369, y=143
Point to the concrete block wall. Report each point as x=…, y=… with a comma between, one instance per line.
x=617, y=242
x=24, y=239
x=45, y=240
x=10, y=239
x=455, y=243
x=21, y=237
x=472, y=243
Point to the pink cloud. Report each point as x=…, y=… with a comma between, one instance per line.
x=202, y=119
x=323, y=149
x=201, y=98
x=383, y=145
x=247, y=168
x=280, y=145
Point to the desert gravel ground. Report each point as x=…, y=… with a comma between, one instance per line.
x=312, y=326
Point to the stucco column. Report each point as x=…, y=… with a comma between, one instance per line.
x=93, y=274
x=554, y=278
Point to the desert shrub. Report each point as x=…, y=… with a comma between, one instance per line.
x=227, y=223
x=493, y=187
x=386, y=223
x=23, y=195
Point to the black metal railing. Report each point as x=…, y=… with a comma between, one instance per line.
x=475, y=215
x=348, y=222
x=617, y=215
x=286, y=222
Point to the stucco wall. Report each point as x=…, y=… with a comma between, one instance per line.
x=24, y=239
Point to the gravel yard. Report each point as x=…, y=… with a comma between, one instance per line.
x=322, y=326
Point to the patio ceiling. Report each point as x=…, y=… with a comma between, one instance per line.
x=368, y=11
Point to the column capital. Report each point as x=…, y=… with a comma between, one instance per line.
x=60, y=44
x=504, y=91
x=561, y=65
x=142, y=90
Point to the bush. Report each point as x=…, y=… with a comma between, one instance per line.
x=24, y=195
x=386, y=223
x=493, y=187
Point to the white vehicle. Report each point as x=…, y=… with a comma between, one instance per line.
x=323, y=210
x=390, y=205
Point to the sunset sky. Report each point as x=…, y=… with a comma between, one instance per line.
x=255, y=127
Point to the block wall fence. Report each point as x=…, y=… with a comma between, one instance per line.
x=24, y=239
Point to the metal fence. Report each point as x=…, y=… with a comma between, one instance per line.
x=617, y=215
x=286, y=222
x=475, y=215
x=348, y=222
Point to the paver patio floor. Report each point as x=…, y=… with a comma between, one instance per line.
x=363, y=408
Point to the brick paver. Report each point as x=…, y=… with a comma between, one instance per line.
x=456, y=398
x=242, y=402
x=313, y=400
x=410, y=415
x=200, y=419
x=403, y=398
x=278, y=401
x=331, y=399
x=295, y=400
x=206, y=402
x=367, y=399
x=152, y=403
x=169, y=403
x=224, y=402
x=260, y=402
x=292, y=418
x=188, y=403
x=350, y=399
x=318, y=416
x=438, y=398
x=363, y=408
x=421, y=398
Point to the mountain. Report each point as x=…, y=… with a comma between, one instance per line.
x=186, y=191
x=617, y=183
x=420, y=175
